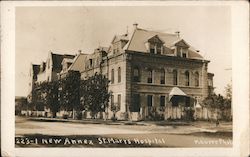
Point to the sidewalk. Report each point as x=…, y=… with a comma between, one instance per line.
x=203, y=126
x=110, y=122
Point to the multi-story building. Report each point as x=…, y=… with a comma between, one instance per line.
x=152, y=74
x=49, y=70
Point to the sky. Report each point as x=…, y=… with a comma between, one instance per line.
x=40, y=30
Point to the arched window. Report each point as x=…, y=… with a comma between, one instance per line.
x=119, y=74
x=175, y=77
x=196, y=79
x=150, y=76
x=112, y=76
x=187, y=78
x=136, y=74
x=162, y=75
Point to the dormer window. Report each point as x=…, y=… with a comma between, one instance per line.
x=182, y=49
x=182, y=52
x=155, y=45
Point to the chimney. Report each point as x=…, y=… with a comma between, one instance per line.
x=126, y=31
x=178, y=34
x=79, y=51
x=135, y=26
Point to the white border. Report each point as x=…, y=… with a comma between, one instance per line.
x=240, y=78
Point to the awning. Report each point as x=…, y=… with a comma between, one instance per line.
x=176, y=92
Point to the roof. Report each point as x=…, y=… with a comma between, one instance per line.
x=78, y=63
x=177, y=91
x=141, y=36
x=123, y=37
x=57, y=60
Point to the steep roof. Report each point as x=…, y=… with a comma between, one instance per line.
x=57, y=60
x=78, y=63
x=141, y=36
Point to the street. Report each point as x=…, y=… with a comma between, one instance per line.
x=31, y=133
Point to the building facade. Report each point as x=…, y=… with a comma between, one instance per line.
x=152, y=75
x=48, y=70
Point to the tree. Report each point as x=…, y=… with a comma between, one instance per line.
x=37, y=101
x=70, y=91
x=50, y=96
x=20, y=104
x=228, y=91
x=94, y=92
x=218, y=102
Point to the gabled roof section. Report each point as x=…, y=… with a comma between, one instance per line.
x=155, y=39
x=176, y=92
x=181, y=43
x=79, y=63
x=123, y=37
x=57, y=61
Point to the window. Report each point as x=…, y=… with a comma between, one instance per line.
x=136, y=103
x=175, y=77
x=112, y=76
x=187, y=78
x=119, y=100
x=158, y=49
x=150, y=100
x=162, y=75
x=119, y=74
x=112, y=100
x=156, y=45
x=182, y=52
x=178, y=51
x=68, y=65
x=184, y=55
x=90, y=63
x=150, y=76
x=155, y=48
x=210, y=82
x=136, y=75
x=162, y=101
x=196, y=79
x=152, y=48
